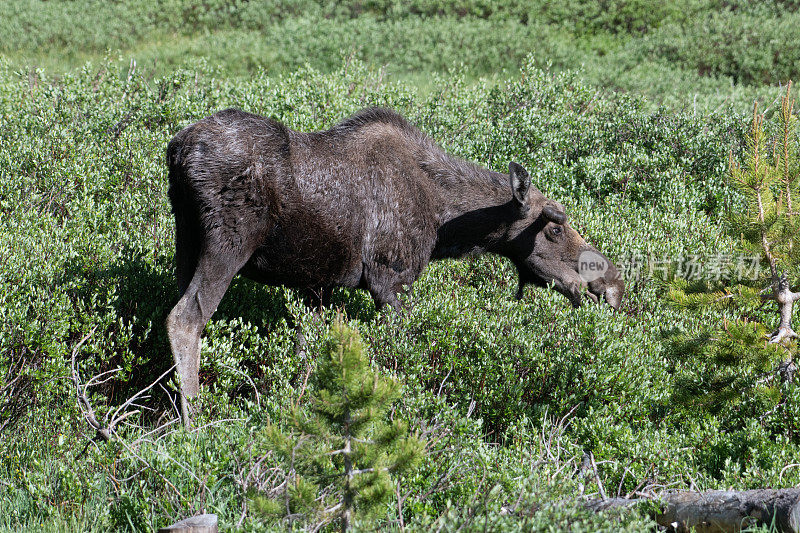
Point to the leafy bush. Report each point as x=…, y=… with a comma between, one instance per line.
x=749, y=48
x=698, y=53
x=511, y=393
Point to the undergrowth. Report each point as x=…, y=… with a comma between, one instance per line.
x=511, y=395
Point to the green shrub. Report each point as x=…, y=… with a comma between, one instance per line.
x=705, y=53
x=749, y=48
x=86, y=246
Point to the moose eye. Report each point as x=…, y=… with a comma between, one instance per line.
x=556, y=230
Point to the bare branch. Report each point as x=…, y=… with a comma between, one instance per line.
x=114, y=418
x=597, y=478
x=80, y=393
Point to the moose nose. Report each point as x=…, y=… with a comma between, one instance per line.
x=613, y=294
x=601, y=276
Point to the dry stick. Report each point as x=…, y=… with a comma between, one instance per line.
x=597, y=477
x=622, y=481
x=172, y=401
x=138, y=394
x=563, y=467
x=430, y=443
x=107, y=432
x=243, y=515
x=692, y=484
x=83, y=401
x=641, y=484
x=95, y=380
x=10, y=384
x=151, y=467
x=257, y=465
x=441, y=386
x=785, y=468
x=159, y=428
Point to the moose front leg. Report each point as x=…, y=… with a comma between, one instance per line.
x=386, y=293
x=383, y=299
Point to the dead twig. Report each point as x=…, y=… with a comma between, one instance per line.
x=80, y=393
x=116, y=418
x=597, y=478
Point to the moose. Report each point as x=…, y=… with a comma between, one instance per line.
x=366, y=204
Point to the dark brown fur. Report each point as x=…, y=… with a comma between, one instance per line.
x=365, y=204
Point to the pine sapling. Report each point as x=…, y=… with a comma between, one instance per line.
x=342, y=451
x=742, y=355
x=769, y=224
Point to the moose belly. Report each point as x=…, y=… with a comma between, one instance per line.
x=301, y=257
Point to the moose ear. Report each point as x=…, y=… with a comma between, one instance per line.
x=520, y=181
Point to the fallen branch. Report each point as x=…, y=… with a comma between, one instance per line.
x=80, y=392
x=719, y=511
x=106, y=429
x=204, y=523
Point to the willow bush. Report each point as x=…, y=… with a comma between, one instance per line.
x=512, y=394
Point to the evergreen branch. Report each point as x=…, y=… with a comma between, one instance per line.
x=738, y=360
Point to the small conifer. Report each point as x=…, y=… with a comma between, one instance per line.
x=741, y=354
x=342, y=450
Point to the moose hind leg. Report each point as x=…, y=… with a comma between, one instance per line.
x=187, y=319
x=187, y=251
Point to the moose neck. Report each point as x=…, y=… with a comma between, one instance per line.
x=476, y=211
